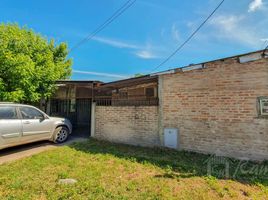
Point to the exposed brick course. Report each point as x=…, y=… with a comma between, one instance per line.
x=136, y=125
x=215, y=108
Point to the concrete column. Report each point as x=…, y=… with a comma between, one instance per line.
x=160, y=111
x=93, y=109
x=48, y=108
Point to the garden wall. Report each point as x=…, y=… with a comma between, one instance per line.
x=136, y=125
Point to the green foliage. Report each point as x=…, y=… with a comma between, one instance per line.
x=138, y=75
x=29, y=64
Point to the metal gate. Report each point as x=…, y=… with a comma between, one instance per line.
x=78, y=111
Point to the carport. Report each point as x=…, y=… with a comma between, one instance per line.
x=73, y=100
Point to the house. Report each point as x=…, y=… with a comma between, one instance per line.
x=220, y=106
x=217, y=106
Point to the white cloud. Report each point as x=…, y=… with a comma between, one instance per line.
x=227, y=23
x=142, y=51
x=163, y=32
x=175, y=33
x=145, y=54
x=233, y=28
x=265, y=42
x=190, y=24
x=148, y=51
x=255, y=5
x=116, y=43
x=100, y=74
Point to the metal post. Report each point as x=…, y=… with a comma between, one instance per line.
x=93, y=108
x=160, y=111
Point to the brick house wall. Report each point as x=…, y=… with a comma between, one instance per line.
x=215, y=108
x=137, y=125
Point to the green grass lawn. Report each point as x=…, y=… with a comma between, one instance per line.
x=111, y=171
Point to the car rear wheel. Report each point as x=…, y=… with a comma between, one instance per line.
x=61, y=134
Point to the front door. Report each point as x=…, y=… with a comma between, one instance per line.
x=83, y=113
x=34, y=124
x=10, y=126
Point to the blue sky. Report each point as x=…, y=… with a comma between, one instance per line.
x=145, y=34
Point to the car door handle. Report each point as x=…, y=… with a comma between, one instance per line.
x=26, y=122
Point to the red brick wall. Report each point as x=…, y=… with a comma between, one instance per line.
x=215, y=109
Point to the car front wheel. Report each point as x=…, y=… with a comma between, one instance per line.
x=61, y=134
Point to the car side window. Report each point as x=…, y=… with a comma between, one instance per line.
x=8, y=112
x=30, y=113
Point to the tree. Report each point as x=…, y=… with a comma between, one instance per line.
x=138, y=75
x=30, y=64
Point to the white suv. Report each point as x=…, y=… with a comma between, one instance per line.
x=21, y=124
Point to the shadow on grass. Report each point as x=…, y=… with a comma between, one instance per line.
x=182, y=164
